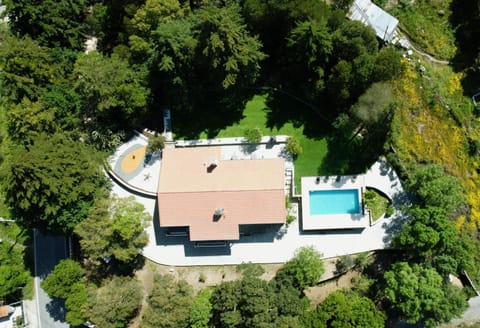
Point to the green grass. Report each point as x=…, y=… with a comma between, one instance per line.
x=255, y=116
x=376, y=203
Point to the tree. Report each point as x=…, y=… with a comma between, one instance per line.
x=113, y=93
x=115, y=302
x=252, y=302
x=310, y=47
x=147, y=19
x=353, y=59
x=201, y=311
x=419, y=294
x=65, y=274
x=66, y=104
x=76, y=304
x=226, y=53
x=27, y=68
x=169, y=304
x=430, y=235
x=28, y=119
x=66, y=282
x=373, y=106
x=345, y=309
x=114, y=229
x=155, y=143
x=52, y=183
x=304, y=269
x=52, y=23
x=437, y=188
x=293, y=146
x=225, y=300
x=253, y=135
x=12, y=270
x=170, y=61
x=388, y=65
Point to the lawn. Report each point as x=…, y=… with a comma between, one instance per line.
x=255, y=116
x=376, y=203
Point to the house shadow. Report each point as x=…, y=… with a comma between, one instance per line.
x=349, y=231
x=179, y=236
x=165, y=236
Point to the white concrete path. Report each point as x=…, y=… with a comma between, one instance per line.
x=272, y=246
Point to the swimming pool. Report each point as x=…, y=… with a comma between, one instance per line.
x=334, y=201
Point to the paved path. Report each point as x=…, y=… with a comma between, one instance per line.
x=429, y=57
x=471, y=315
x=274, y=246
x=48, y=251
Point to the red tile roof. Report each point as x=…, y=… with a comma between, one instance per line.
x=249, y=191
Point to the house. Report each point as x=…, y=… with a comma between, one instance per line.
x=214, y=196
x=370, y=14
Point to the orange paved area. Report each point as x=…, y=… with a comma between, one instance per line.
x=133, y=160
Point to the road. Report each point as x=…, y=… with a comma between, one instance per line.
x=49, y=251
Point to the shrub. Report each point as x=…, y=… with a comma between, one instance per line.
x=290, y=218
x=202, y=277
x=293, y=146
x=390, y=210
x=253, y=135
x=155, y=143
x=343, y=264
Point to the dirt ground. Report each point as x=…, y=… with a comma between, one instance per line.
x=318, y=294
x=215, y=275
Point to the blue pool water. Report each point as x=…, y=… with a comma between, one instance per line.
x=337, y=201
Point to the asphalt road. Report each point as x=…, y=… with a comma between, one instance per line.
x=49, y=251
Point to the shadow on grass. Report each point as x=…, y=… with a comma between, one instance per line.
x=344, y=157
x=210, y=114
x=283, y=109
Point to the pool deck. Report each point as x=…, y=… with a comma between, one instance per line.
x=332, y=221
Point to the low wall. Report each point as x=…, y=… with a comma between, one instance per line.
x=228, y=141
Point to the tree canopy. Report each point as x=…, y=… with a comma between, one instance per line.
x=65, y=274
x=52, y=23
x=345, y=309
x=252, y=302
x=437, y=188
x=421, y=294
x=304, y=269
x=430, y=237
x=112, y=92
x=169, y=304
x=28, y=119
x=115, y=302
x=114, y=228
x=27, y=68
x=13, y=273
x=67, y=282
x=51, y=183
x=201, y=311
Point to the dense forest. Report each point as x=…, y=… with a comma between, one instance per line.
x=63, y=110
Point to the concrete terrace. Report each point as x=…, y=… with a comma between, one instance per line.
x=144, y=179
x=271, y=245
